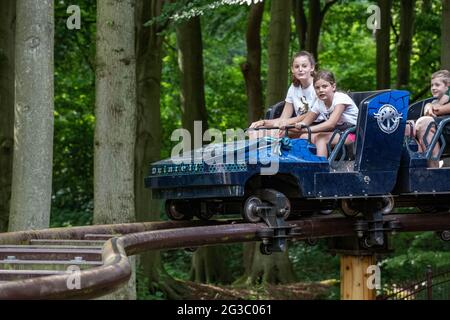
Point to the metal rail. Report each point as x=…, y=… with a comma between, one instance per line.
x=124, y=240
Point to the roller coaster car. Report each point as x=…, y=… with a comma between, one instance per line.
x=268, y=179
x=214, y=185
x=429, y=187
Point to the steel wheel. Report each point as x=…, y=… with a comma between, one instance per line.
x=250, y=212
x=176, y=211
x=202, y=215
x=347, y=209
x=388, y=204
x=265, y=249
x=286, y=211
x=445, y=235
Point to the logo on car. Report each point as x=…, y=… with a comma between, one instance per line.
x=388, y=118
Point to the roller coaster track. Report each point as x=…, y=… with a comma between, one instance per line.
x=34, y=264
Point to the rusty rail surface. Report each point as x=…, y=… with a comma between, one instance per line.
x=108, y=267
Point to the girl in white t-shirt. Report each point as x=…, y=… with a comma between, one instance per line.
x=337, y=108
x=300, y=96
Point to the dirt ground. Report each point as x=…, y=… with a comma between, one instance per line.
x=294, y=291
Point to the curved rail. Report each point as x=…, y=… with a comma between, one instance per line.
x=139, y=237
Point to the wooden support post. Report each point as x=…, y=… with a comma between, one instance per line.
x=354, y=277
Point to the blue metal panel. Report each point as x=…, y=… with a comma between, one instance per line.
x=426, y=180
x=199, y=192
x=380, y=132
x=377, y=150
x=354, y=184
x=297, y=159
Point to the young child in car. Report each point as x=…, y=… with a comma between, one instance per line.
x=437, y=110
x=337, y=108
x=299, y=98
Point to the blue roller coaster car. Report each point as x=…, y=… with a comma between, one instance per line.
x=269, y=179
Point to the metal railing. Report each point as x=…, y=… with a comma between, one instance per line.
x=108, y=267
x=434, y=286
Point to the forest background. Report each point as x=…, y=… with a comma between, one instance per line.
x=222, y=62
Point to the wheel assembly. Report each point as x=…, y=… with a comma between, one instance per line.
x=273, y=207
x=366, y=243
x=177, y=210
x=205, y=211
x=346, y=208
x=265, y=249
x=326, y=212
x=445, y=235
x=312, y=241
x=388, y=204
x=250, y=212
x=350, y=209
x=286, y=210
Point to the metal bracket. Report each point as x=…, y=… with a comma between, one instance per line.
x=371, y=232
x=275, y=236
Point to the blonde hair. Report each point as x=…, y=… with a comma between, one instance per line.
x=442, y=74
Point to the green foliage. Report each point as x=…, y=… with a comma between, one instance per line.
x=74, y=118
x=142, y=292
x=177, y=263
x=69, y=218
x=313, y=263
x=170, y=95
x=347, y=47
x=182, y=10
x=426, y=47
x=225, y=94
x=413, y=253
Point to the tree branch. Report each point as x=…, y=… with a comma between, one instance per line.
x=420, y=94
x=327, y=6
x=395, y=31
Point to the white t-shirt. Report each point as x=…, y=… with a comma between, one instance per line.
x=350, y=114
x=295, y=94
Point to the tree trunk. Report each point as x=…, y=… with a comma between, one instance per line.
x=33, y=129
x=7, y=25
x=405, y=42
x=251, y=69
x=263, y=269
x=315, y=19
x=445, y=35
x=314, y=23
x=278, y=51
x=148, y=72
x=148, y=136
x=115, y=112
x=208, y=266
x=383, y=41
x=301, y=24
x=190, y=59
